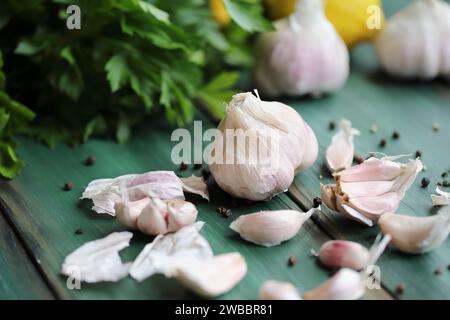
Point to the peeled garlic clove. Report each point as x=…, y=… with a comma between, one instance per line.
x=166, y=252
x=277, y=290
x=305, y=55
x=416, y=234
x=346, y=284
x=366, y=191
x=214, y=276
x=441, y=199
x=180, y=214
x=339, y=154
x=414, y=42
x=127, y=213
x=280, y=143
x=153, y=218
x=106, y=194
x=270, y=228
x=98, y=260
x=344, y=254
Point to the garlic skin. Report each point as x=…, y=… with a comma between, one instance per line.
x=107, y=193
x=99, y=260
x=346, y=284
x=305, y=55
x=414, y=43
x=344, y=254
x=277, y=290
x=339, y=154
x=212, y=277
x=292, y=147
x=366, y=191
x=441, y=199
x=417, y=234
x=270, y=228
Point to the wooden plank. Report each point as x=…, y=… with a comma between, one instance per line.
x=410, y=108
x=19, y=279
x=47, y=217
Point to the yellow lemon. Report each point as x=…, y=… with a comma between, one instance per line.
x=219, y=12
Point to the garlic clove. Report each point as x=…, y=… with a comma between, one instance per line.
x=281, y=144
x=416, y=234
x=328, y=195
x=277, y=290
x=180, y=214
x=98, y=260
x=373, y=169
x=127, y=213
x=339, y=154
x=346, y=284
x=214, y=276
x=270, y=228
x=153, y=218
x=441, y=199
x=344, y=254
x=166, y=252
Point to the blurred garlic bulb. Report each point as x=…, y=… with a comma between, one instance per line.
x=366, y=191
x=339, y=154
x=348, y=284
x=270, y=228
x=414, y=43
x=277, y=290
x=417, y=234
x=305, y=55
x=259, y=147
x=441, y=199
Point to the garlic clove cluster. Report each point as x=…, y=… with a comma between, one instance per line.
x=414, y=42
x=280, y=144
x=106, y=194
x=366, y=191
x=277, y=290
x=305, y=55
x=417, y=234
x=339, y=154
x=98, y=260
x=270, y=228
x=441, y=199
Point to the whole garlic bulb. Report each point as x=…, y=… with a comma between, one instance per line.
x=285, y=142
x=305, y=55
x=415, y=42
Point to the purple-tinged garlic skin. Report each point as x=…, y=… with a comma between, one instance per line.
x=367, y=191
x=286, y=145
x=415, y=43
x=346, y=284
x=277, y=290
x=305, y=55
x=416, y=235
x=344, y=254
x=270, y=228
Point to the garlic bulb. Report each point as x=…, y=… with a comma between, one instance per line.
x=270, y=228
x=99, y=260
x=414, y=43
x=305, y=55
x=441, y=199
x=106, y=193
x=339, y=154
x=277, y=290
x=214, y=276
x=417, y=234
x=344, y=254
x=280, y=144
x=366, y=191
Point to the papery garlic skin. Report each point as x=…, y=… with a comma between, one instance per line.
x=286, y=145
x=441, y=199
x=305, y=55
x=212, y=277
x=98, y=260
x=366, y=191
x=415, y=41
x=277, y=290
x=339, y=154
x=344, y=254
x=417, y=234
x=346, y=284
x=270, y=228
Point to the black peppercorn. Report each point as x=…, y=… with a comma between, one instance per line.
x=418, y=154
x=332, y=125
x=90, y=161
x=383, y=143
x=425, y=182
x=183, y=166
x=68, y=186
x=292, y=260
x=395, y=135
x=317, y=202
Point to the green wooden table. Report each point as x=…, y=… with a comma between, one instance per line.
x=38, y=219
